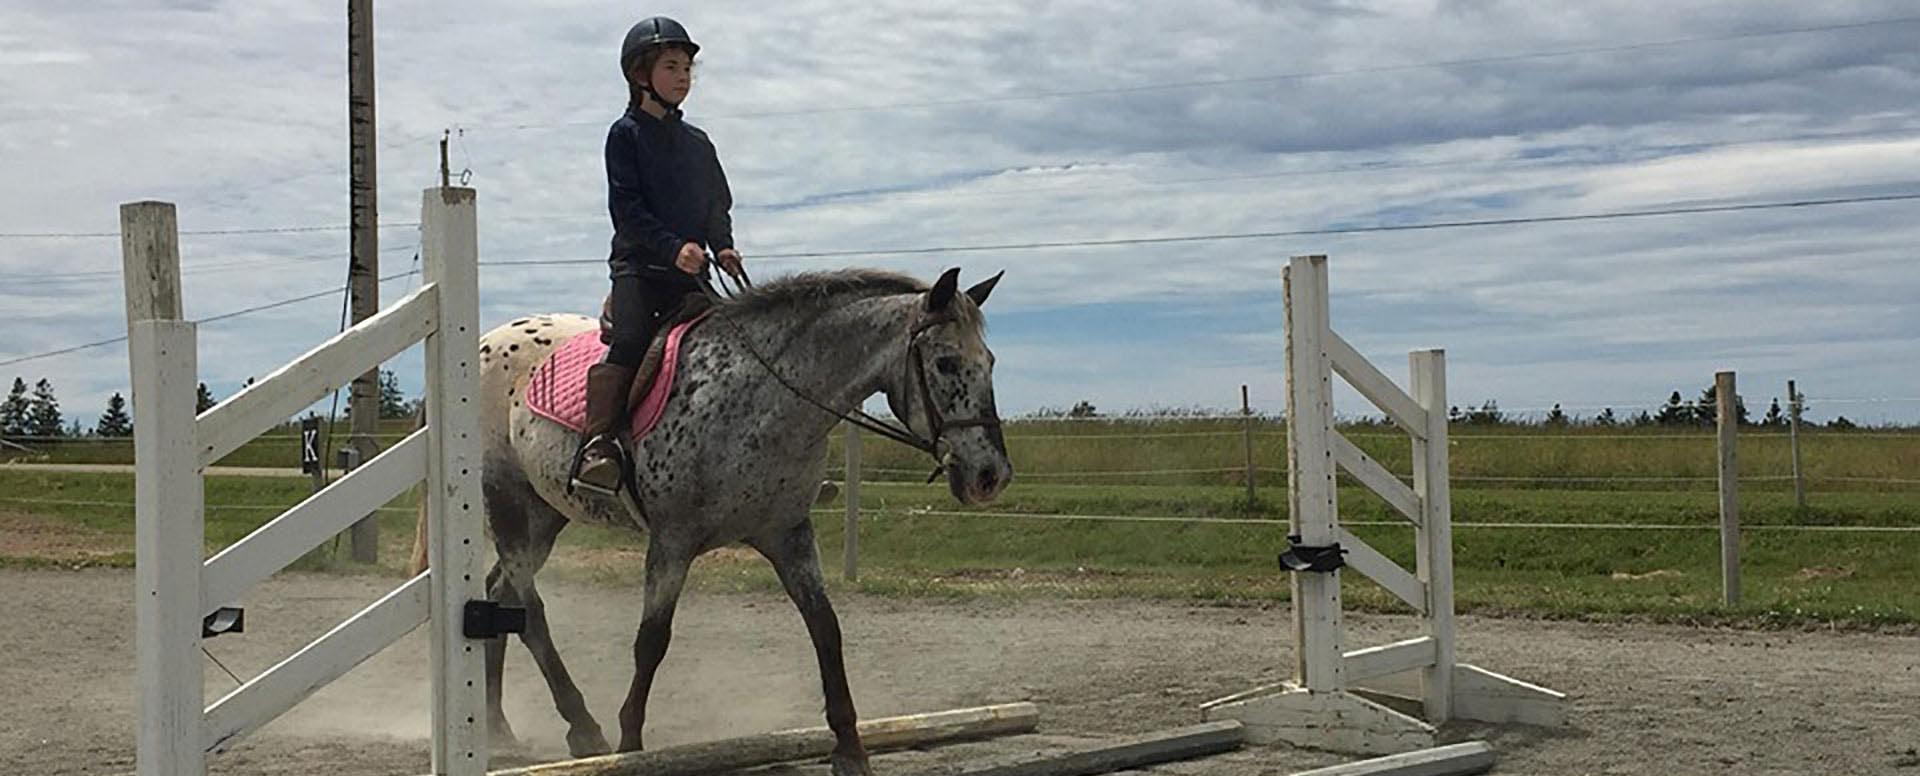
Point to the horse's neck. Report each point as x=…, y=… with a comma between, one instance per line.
x=839, y=356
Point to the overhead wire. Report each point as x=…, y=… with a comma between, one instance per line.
x=1323, y=231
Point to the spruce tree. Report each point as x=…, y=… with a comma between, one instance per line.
x=1556, y=418
x=393, y=403
x=1706, y=412
x=1775, y=418
x=115, y=422
x=1674, y=412
x=15, y=413
x=203, y=399
x=44, y=416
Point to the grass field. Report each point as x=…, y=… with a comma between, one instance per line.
x=1660, y=560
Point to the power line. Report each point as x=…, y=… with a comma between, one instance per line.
x=1437, y=225
x=1344, y=230
x=193, y=268
x=1268, y=78
x=887, y=192
x=210, y=319
x=206, y=232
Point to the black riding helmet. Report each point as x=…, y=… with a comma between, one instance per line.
x=651, y=32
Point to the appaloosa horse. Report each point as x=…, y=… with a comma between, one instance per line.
x=737, y=457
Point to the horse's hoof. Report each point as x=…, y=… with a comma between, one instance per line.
x=851, y=765
x=587, y=742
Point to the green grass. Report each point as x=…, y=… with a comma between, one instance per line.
x=1790, y=577
x=1524, y=456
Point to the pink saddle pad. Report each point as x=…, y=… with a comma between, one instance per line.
x=557, y=390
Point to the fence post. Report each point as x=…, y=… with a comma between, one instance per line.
x=1793, y=440
x=1246, y=433
x=1433, y=543
x=169, y=535
x=1729, y=421
x=851, y=537
x=449, y=258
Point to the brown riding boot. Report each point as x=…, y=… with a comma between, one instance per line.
x=601, y=460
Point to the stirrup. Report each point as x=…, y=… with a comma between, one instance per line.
x=580, y=459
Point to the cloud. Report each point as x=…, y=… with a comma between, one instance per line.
x=1319, y=114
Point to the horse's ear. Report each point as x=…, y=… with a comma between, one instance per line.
x=943, y=289
x=982, y=289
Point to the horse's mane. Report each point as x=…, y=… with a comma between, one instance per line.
x=819, y=290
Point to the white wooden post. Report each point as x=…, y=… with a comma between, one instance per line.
x=1729, y=421
x=449, y=258
x=169, y=534
x=850, y=539
x=1312, y=492
x=1433, y=548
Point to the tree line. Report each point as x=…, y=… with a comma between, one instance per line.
x=1703, y=411
x=1675, y=412
x=36, y=413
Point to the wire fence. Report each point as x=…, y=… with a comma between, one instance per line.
x=1228, y=450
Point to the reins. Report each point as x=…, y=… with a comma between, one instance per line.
x=901, y=433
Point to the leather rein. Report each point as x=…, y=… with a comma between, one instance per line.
x=937, y=422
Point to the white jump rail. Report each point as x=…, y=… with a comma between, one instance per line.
x=178, y=587
x=1319, y=708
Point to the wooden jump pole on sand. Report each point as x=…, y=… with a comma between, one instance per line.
x=730, y=754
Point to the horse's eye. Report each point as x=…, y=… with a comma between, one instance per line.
x=948, y=365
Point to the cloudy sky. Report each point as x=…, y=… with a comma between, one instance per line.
x=906, y=125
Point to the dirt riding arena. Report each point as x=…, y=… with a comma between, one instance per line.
x=1647, y=699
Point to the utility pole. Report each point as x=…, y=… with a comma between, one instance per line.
x=363, y=273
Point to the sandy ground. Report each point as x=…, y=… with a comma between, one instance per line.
x=1647, y=699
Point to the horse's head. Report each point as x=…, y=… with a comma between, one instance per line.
x=946, y=390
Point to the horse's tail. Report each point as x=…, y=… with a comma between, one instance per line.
x=419, y=562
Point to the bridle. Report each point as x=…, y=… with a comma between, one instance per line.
x=937, y=422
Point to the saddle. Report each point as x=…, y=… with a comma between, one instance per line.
x=692, y=307
x=557, y=388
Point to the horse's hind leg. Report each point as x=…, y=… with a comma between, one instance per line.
x=797, y=561
x=524, y=549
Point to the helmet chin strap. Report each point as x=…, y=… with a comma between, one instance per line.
x=657, y=97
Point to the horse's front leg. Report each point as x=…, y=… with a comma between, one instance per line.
x=797, y=561
x=667, y=564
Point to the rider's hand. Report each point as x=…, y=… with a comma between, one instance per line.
x=692, y=258
x=729, y=260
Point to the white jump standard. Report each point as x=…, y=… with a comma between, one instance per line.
x=182, y=597
x=1319, y=708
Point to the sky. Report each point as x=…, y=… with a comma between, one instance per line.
x=881, y=126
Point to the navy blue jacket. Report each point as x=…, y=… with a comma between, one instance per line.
x=664, y=189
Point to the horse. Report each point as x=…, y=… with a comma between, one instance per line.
x=737, y=457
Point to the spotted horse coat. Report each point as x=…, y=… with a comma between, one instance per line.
x=735, y=459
